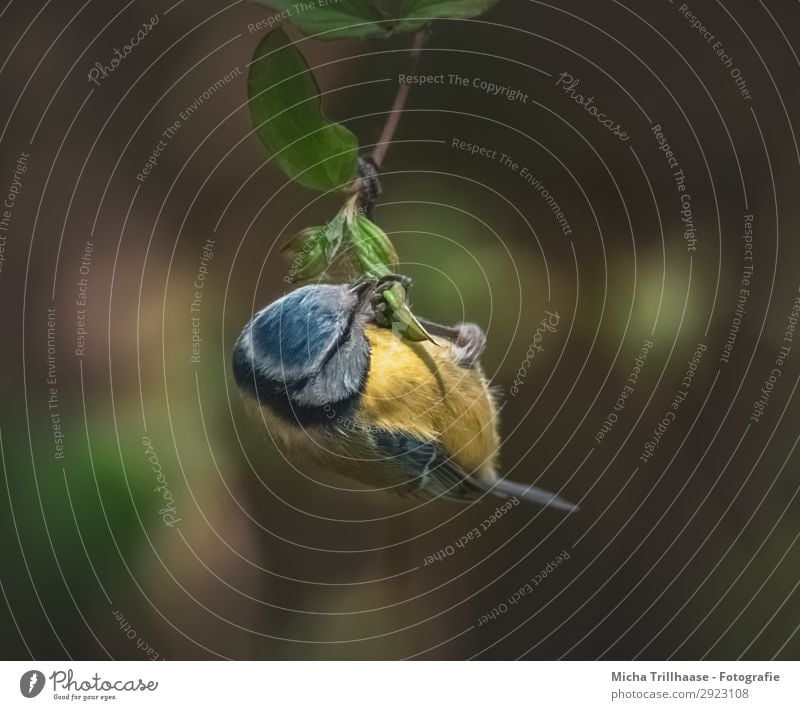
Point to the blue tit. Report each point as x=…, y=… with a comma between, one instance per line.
x=340, y=392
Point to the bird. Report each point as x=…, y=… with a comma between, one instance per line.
x=339, y=391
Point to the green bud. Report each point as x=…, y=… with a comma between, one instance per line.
x=307, y=251
x=374, y=250
x=313, y=250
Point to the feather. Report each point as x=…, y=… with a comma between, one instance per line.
x=420, y=389
x=430, y=472
x=510, y=489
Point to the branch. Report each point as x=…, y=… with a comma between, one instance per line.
x=399, y=100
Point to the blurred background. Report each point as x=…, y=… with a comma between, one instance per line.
x=143, y=515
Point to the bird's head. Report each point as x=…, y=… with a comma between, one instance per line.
x=306, y=351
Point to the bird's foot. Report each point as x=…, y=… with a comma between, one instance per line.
x=380, y=308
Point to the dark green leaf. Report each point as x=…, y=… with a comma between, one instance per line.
x=417, y=13
x=332, y=18
x=286, y=111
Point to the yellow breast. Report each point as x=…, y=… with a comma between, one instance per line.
x=419, y=388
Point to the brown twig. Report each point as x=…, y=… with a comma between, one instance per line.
x=399, y=100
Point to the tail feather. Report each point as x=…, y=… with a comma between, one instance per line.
x=532, y=494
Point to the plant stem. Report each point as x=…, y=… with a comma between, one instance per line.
x=399, y=100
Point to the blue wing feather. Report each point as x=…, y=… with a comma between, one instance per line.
x=430, y=471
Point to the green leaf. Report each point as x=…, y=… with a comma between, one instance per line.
x=286, y=111
x=417, y=13
x=332, y=18
x=373, y=248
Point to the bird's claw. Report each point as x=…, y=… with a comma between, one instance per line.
x=380, y=308
x=386, y=282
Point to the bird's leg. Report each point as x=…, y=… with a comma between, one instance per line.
x=468, y=340
x=380, y=313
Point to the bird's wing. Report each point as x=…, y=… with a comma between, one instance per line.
x=433, y=474
x=430, y=471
